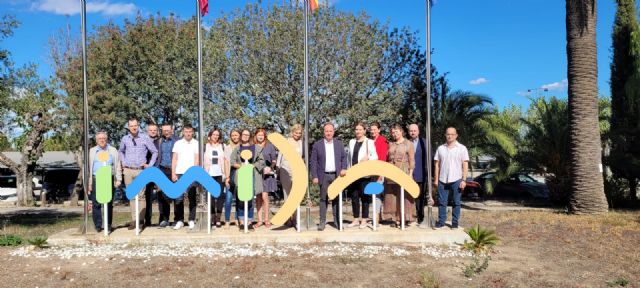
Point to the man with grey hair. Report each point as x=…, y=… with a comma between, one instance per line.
x=101, y=155
x=419, y=173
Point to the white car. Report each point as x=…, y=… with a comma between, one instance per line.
x=8, y=190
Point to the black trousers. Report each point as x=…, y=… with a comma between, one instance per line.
x=358, y=196
x=148, y=194
x=421, y=201
x=217, y=204
x=179, y=204
x=164, y=201
x=324, y=199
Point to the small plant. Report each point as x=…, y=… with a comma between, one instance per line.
x=429, y=280
x=479, y=264
x=482, y=240
x=619, y=282
x=10, y=240
x=39, y=241
x=481, y=244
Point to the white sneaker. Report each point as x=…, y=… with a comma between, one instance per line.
x=192, y=224
x=179, y=225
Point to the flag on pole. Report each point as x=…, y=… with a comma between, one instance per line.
x=313, y=4
x=204, y=7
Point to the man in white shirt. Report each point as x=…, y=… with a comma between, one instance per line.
x=451, y=167
x=185, y=156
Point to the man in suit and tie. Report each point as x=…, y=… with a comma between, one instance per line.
x=328, y=160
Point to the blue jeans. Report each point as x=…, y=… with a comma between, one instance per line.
x=240, y=210
x=227, y=203
x=443, y=200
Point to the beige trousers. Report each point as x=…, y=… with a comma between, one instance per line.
x=129, y=175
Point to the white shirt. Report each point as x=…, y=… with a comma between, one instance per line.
x=215, y=159
x=329, y=157
x=368, y=148
x=450, y=160
x=187, y=153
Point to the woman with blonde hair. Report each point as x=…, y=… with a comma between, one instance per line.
x=269, y=183
x=284, y=168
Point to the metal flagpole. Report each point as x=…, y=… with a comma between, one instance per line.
x=200, y=104
x=402, y=209
x=373, y=201
x=306, y=104
x=428, y=126
x=83, y=20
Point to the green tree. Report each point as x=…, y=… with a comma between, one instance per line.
x=625, y=98
x=33, y=108
x=254, y=68
x=7, y=24
x=501, y=133
x=545, y=145
x=28, y=110
x=145, y=68
x=587, y=190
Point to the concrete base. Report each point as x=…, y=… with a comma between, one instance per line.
x=154, y=235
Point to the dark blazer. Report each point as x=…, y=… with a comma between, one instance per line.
x=419, y=173
x=317, y=162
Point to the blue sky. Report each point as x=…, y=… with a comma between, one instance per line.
x=501, y=48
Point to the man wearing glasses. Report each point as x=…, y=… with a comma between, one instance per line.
x=133, y=154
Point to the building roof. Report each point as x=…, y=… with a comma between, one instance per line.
x=48, y=159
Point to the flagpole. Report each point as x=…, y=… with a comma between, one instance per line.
x=306, y=103
x=200, y=104
x=428, y=126
x=83, y=20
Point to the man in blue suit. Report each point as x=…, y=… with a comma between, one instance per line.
x=328, y=160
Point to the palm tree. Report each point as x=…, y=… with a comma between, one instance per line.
x=587, y=194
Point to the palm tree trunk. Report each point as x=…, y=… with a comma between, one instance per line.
x=587, y=195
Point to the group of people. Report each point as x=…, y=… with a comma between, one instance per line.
x=329, y=159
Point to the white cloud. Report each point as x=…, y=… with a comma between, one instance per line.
x=479, y=81
x=561, y=85
x=72, y=7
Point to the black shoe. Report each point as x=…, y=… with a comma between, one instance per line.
x=321, y=226
x=98, y=230
x=438, y=226
x=454, y=226
x=251, y=228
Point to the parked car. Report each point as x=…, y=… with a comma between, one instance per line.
x=8, y=187
x=59, y=182
x=517, y=185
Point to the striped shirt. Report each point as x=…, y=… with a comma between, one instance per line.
x=133, y=150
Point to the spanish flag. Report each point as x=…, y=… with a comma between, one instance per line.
x=313, y=4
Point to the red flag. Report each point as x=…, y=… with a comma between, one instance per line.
x=204, y=7
x=313, y=4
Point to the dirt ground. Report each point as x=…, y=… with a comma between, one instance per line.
x=537, y=249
